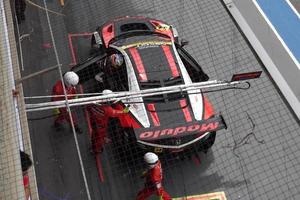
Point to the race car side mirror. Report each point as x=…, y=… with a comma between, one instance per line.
x=97, y=38
x=184, y=42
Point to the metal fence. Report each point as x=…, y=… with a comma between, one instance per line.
x=255, y=158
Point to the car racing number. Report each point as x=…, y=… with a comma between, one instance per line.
x=162, y=27
x=158, y=150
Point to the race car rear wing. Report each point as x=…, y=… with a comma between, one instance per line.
x=246, y=76
x=180, y=130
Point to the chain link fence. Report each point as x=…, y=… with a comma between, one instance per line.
x=255, y=158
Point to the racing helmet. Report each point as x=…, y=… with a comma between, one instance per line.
x=151, y=159
x=116, y=60
x=71, y=79
x=106, y=92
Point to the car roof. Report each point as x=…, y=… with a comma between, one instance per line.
x=154, y=62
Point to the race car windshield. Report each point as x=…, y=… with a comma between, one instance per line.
x=161, y=83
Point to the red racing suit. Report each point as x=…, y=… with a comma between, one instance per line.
x=153, y=184
x=99, y=116
x=63, y=113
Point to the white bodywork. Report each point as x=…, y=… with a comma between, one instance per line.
x=139, y=110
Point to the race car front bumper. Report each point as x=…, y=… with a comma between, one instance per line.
x=199, y=130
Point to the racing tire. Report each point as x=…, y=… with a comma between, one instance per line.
x=208, y=143
x=125, y=146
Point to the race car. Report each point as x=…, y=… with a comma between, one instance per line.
x=153, y=59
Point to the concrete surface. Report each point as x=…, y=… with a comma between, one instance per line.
x=262, y=165
x=281, y=47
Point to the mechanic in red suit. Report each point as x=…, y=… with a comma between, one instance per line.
x=99, y=116
x=71, y=79
x=153, y=184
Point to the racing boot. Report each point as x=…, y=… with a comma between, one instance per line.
x=95, y=152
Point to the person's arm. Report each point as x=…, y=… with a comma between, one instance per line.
x=156, y=179
x=115, y=113
x=74, y=92
x=55, y=91
x=27, y=192
x=26, y=186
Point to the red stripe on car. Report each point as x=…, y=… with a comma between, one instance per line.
x=185, y=110
x=171, y=60
x=153, y=114
x=208, y=109
x=139, y=64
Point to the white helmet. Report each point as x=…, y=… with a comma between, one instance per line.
x=116, y=60
x=71, y=78
x=150, y=158
x=106, y=92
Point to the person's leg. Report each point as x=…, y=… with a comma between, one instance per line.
x=98, y=140
x=145, y=193
x=164, y=194
x=18, y=10
x=74, y=117
x=60, y=118
x=75, y=121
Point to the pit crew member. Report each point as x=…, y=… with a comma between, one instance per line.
x=154, y=177
x=70, y=80
x=99, y=116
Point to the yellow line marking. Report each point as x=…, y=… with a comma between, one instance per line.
x=62, y=2
x=209, y=196
x=42, y=8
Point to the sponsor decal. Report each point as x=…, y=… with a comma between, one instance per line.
x=158, y=150
x=209, y=196
x=162, y=27
x=196, y=127
x=146, y=44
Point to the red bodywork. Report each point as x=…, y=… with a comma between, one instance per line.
x=108, y=29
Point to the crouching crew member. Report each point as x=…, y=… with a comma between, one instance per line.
x=154, y=177
x=99, y=116
x=70, y=80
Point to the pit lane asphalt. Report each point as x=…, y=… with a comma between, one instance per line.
x=259, y=171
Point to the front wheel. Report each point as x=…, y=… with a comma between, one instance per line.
x=208, y=142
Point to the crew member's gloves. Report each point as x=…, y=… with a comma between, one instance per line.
x=144, y=173
x=126, y=109
x=56, y=111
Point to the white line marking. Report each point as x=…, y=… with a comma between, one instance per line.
x=266, y=59
x=277, y=34
x=67, y=102
x=293, y=8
